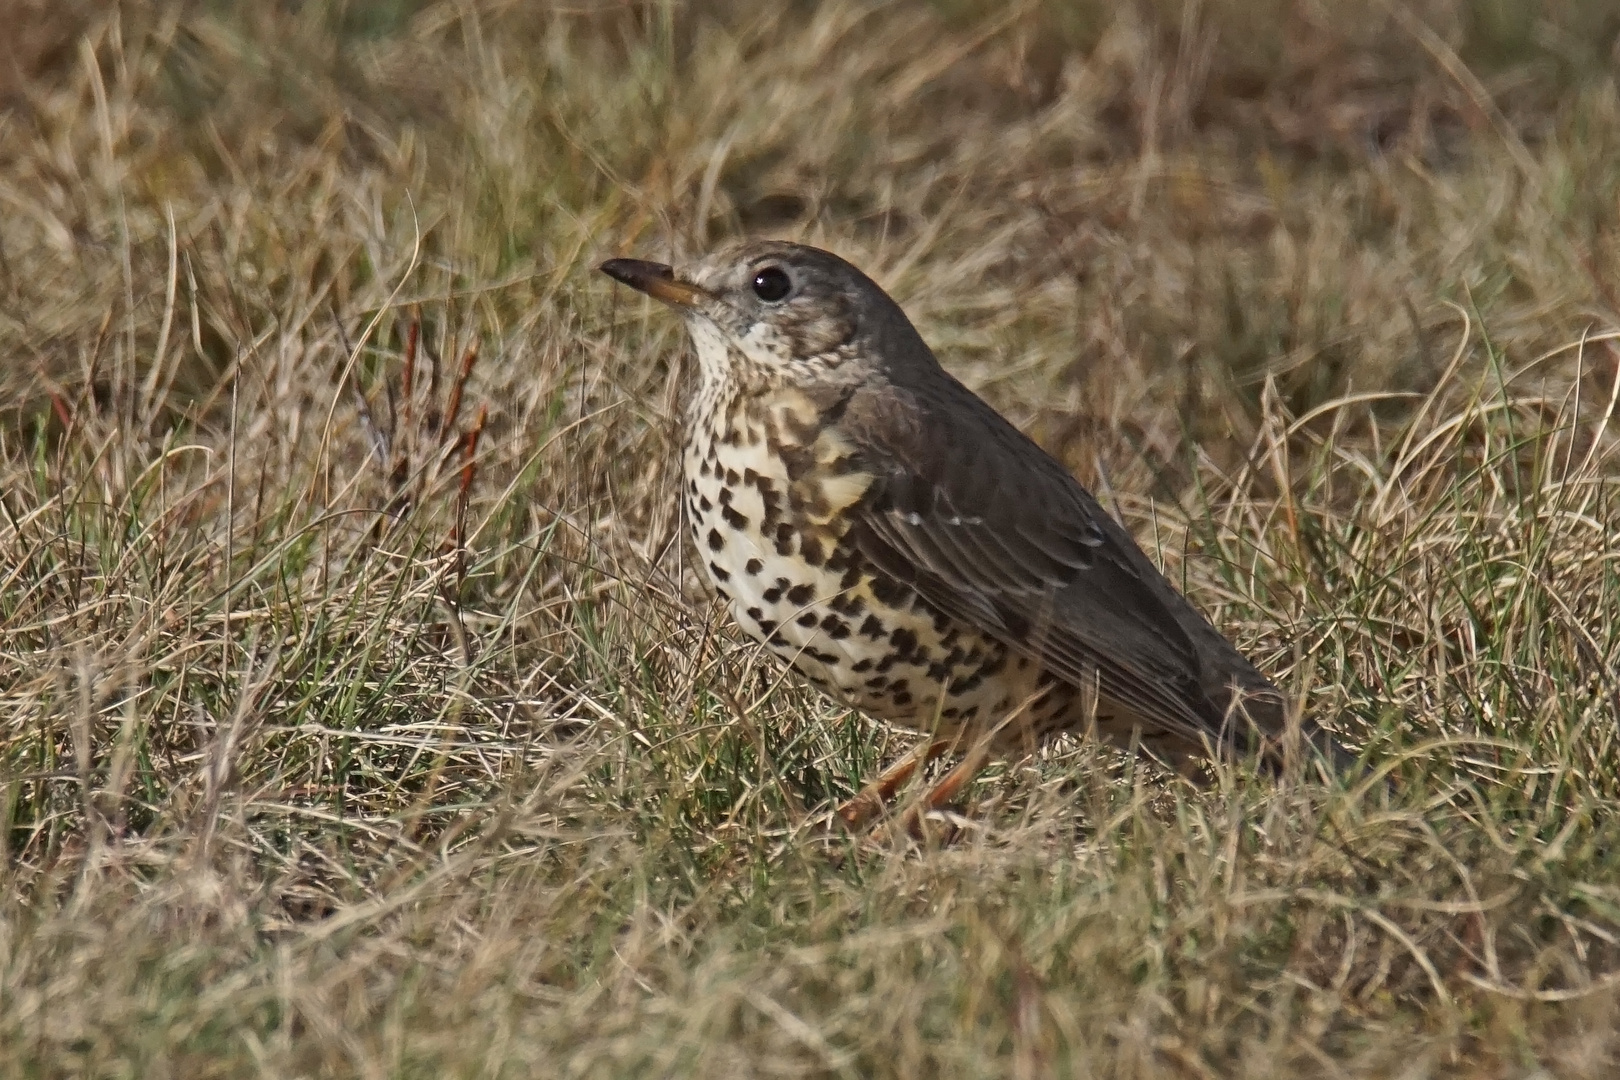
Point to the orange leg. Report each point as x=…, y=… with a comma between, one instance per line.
x=949, y=786
x=863, y=807
x=872, y=798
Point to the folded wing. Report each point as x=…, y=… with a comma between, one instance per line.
x=995, y=533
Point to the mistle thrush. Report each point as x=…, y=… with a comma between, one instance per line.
x=906, y=549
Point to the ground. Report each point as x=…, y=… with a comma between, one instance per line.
x=362, y=715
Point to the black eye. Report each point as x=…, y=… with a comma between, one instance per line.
x=772, y=284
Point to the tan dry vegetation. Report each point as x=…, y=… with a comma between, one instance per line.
x=320, y=761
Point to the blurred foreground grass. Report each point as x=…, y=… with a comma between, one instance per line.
x=320, y=761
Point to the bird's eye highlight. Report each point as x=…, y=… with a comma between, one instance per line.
x=772, y=284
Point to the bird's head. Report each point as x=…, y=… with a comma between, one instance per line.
x=777, y=311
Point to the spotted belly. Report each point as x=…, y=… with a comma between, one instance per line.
x=793, y=583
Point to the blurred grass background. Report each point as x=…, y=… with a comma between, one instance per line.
x=326, y=755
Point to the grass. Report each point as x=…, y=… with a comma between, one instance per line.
x=353, y=729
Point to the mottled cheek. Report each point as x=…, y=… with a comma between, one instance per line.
x=802, y=333
x=824, y=333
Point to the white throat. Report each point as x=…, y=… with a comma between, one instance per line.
x=712, y=352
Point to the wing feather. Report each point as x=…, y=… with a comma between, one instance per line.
x=993, y=532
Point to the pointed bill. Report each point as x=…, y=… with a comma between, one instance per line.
x=656, y=280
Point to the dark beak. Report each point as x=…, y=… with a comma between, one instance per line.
x=656, y=280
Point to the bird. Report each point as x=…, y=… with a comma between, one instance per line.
x=904, y=547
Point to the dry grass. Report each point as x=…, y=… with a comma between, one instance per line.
x=326, y=756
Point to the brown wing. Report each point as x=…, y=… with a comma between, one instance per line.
x=994, y=532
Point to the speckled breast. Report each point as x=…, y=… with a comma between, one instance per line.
x=769, y=490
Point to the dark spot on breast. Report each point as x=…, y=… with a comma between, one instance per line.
x=807, y=619
x=705, y=504
x=774, y=593
x=843, y=463
x=716, y=541
x=750, y=477
x=795, y=460
x=732, y=518
x=904, y=642
x=829, y=658
x=800, y=595
x=816, y=505
x=720, y=573
x=755, y=614
x=836, y=628
x=753, y=566
x=768, y=628
x=877, y=682
x=784, y=539
x=887, y=591
x=902, y=699
x=873, y=627
x=725, y=496
x=862, y=666
x=732, y=478
x=847, y=604
x=810, y=550
x=703, y=469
